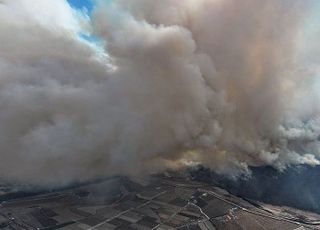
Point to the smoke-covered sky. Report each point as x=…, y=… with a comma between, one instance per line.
x=139, y=86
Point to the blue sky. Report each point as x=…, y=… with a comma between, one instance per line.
x=88, y=5
x=80, y=4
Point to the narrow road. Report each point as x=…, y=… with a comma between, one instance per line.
x=128, y=210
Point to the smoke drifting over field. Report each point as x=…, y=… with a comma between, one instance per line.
x=145, y=85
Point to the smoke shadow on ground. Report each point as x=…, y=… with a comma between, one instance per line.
x=296, y=187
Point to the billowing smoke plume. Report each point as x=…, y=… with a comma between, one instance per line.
x=140, y=86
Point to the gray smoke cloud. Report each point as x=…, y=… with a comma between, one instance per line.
x=167, y=84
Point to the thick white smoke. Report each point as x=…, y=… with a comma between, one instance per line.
x=167, y=84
